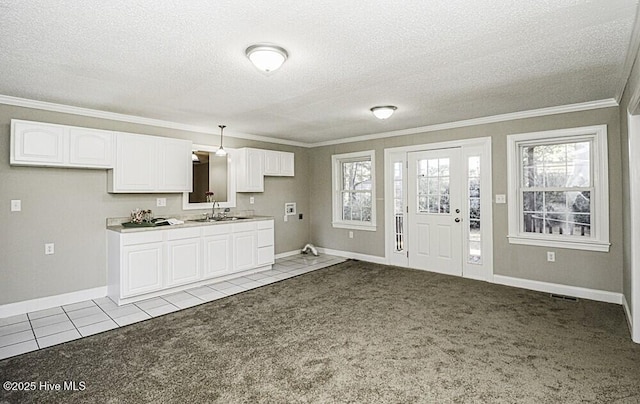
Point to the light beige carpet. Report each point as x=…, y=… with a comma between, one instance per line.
x=354, y=332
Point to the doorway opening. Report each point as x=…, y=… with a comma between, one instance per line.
x=438, y=207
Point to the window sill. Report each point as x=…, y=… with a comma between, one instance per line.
x=591, y=245
x=343, y=225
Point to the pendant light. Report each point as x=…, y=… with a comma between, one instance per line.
x=383, y=112
x=266, y=57
x=221, y=151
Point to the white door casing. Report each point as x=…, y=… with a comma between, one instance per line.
x=434, y=204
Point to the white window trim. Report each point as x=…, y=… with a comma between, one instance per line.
x=600, y=215
x=336, y=176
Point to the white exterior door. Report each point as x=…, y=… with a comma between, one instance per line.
x=434, y=206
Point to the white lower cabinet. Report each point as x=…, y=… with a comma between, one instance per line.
x=183, y=256
x=154, y=262
x=244, y=250
x=142, y=269
x=265, y=243
x=217, y=248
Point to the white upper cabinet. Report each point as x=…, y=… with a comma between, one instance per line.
x=136, y=163
x=148, y=164
x=250, y=170
x=175, y=170
x=254, y=164
x=287, y=164
x=277, y=163
x=44, y=144
x=90, y=148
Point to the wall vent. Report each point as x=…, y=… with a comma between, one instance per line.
x=563, y=297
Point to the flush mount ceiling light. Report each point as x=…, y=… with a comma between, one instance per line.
x=221, y=151
x=266, y=57
x=383, y=112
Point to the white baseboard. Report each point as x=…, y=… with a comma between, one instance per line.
x=42, y=303
x=355, y=256
x=288, y=254
x=575, y=291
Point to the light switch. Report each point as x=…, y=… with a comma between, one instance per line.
x=16, y=205
x=252, y=200
x=501, y=198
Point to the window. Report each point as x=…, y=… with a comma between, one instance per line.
x=398, y=206
x=558, y=188
x=474, y=235
x=354, y=196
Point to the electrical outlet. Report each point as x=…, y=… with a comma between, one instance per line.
x=350, y=234
x=252, y=200
x=551, y=256
x=161, y=201
x=49, y=249
x=16, y=205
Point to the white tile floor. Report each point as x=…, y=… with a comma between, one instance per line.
x=44, y=328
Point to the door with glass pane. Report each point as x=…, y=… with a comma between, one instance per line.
x=434, y=205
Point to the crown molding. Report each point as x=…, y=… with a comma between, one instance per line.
x=114, y=116
x=632, y=54
x=533, y=113
x=68, y=109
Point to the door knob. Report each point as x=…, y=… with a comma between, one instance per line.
x=457, y=220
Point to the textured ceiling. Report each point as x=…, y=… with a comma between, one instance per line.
x=438, y=61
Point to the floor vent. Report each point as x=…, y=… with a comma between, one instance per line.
x=563, y=297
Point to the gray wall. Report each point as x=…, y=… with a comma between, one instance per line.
x=632, y=86
x=68, y=207
x=587, y=269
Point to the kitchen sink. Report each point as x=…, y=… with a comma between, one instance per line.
x=222, y=219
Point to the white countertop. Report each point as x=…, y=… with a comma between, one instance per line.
x=187, y=223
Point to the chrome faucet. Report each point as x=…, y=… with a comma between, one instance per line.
x=213, y=209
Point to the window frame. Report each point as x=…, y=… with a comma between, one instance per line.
x=336, y=176
x=599, y=240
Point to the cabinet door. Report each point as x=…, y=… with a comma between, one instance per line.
x=217, y=255
x=136, y=162
x=183, y=261
x=175, y=163
x=266, y=254
x=141, y=269
x=287, y=164
x=245, y=250
x=37, y=143
x=250, y=171
x=90, y=148
x=271, y=162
